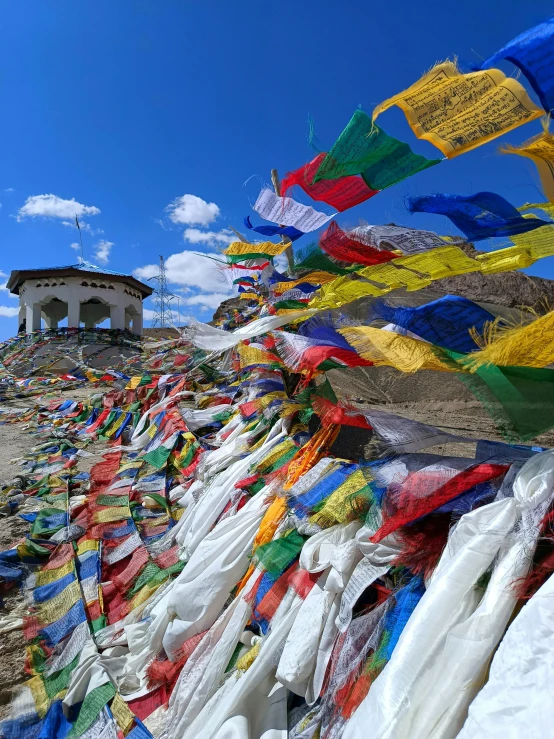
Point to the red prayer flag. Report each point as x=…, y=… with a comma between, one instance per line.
x=335, y=242
x=341, y=194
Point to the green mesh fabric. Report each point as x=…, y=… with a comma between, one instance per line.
x=278, y=554
x=312, y=258
x=112, y=500
x=108, y=422
x=210, y=372
x=223, y=416
x=239, y=258
x=148, y=574
x=187, y=459
x=364, y=148
x=153, y=575
x=35, y=550
x=98, y=623
x=83, y=415
x=234, y=657
x=158, y=457
x=305, y=415
x=520, y=400
x=36, y=658
x=326, y=391
x=281, y=461
x=59, y=681
x=329, y=364
x=90, y=709
x=289, y=305
x=40, y=528
x=257, y=486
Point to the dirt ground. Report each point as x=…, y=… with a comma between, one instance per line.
x=14, y=443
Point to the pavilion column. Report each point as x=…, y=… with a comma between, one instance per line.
x=33, y=317
x=137, y=324
x=50, y=321
x=73, y=311
x=117, y=316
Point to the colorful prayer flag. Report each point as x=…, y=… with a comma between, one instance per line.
x=458, y=112
x=288, y=212
x=533, y=52
x=341, y=193
x=480, y=216
x=364, y=148
x=540, y=150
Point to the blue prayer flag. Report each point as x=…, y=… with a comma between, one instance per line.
x=480, y=216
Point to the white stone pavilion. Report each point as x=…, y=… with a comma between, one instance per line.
x=83, y=293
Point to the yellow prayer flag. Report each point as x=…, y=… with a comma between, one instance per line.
x=458, y=112
x=385, y=348
x=314, y=278
x=237, y=248
x=547, y=208
x=122, y=714
x=107, y=515
x=250, y=355
x=40, y=696
x=344, y=290
x=391, y=276
x=45, y=577
x=133, y=383
x=89, y=545
x=249, y=296
x=53, y=609
x=540, y=150
x=531, y=345
x=419, y=270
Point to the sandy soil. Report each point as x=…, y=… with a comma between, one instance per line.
x=14, y=443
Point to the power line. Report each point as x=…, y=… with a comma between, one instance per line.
x=163, y=314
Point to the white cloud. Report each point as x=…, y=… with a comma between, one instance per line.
x=4, y=285
x=196, y=236
x=8, y=312
x=102, y=253
x=146, y=273
x=191, y=210
x=189, y=269
x=281, y=263
x=75, y=246
x=52, y=206
x=8, y=189
x=206, y=300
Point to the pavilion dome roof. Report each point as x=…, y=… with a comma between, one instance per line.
x=18, y=277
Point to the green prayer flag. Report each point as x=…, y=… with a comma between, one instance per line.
x=157, y=457
x=93, y=703
x=312, y=258
x=276, y=555
x=364, y=148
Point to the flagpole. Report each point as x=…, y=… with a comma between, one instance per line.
x=80, y=236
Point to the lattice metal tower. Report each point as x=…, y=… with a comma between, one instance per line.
x=162, y=299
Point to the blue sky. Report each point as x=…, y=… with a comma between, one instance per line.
x=126, y=106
